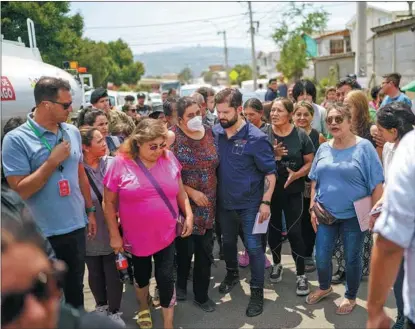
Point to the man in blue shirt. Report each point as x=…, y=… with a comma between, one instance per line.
x=272, y=91
x=246, y=180
x=42, y=161
x=390, y=87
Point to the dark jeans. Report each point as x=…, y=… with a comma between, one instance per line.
x=201, y=246
x=230, y=221
x=292, y=205
x=70, y=248
x=398, y=287
x=164, y=272
x=353, y=237
x=309, y=236
x=264, y=239
x=104, y=281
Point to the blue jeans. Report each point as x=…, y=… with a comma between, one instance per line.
x=353, y=237
x=230, y=220
x=398, y=287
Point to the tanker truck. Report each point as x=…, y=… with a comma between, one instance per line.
x=21, y=68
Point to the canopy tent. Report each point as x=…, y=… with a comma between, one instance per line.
x=409, y=87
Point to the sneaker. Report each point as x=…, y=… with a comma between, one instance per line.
x=208, y=306
x=302, y=286
x=400, y=322
x=267, y=263
x=256, y=302
x=243, y=259
x=102, y=309
x=338, y=277
x=276, y=273
x=230, y=281
x=116, y=317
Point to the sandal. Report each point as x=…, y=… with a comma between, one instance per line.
x=347, y=305
x=313, y=298
x=144, y=320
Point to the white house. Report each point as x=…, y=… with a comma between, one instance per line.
x=267, y=64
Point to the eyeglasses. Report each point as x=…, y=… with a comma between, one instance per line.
x=156, y=147
x=12, y=304
x=338, y=119
x=65, y=105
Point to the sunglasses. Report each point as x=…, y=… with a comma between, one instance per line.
x=64, y=105
x=44, y=287
x=156, y=147
x=338, y=119
x=132, y=110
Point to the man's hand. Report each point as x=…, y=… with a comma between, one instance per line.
x=199, y=198
x=378, y=320
x=264, y=213
x=292, y=176
x=92, y=225
x=60, y=152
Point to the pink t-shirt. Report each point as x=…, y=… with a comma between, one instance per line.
x=147, y=223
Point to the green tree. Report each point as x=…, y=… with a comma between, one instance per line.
x=297, y=20
x=244, y=73
x=185, y=75
x=59, y=38
x=57, y=33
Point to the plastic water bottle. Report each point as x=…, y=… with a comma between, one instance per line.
x=122, y=266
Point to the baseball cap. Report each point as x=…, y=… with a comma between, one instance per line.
x=157, y=110
x=97, y=94
x=141, y=95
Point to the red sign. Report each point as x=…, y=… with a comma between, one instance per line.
x=7, y=90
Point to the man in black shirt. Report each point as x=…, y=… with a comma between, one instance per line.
x=142, y=109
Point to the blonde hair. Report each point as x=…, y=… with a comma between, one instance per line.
x=147, y=130
x=360, y=116
x=306, y=105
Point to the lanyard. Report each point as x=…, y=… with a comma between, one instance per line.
x=43, y=139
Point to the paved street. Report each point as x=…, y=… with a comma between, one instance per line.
x=282, y=309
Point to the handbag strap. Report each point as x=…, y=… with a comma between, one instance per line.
x=156, y=185
x=94, y=187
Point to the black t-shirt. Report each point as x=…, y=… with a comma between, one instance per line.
x=298, y=144
x=315, y=138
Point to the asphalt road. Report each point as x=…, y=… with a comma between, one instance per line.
x=282, y=307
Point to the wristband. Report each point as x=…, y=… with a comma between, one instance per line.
x=90, y=209
x=268, y=203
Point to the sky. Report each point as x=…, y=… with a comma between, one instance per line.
x=154, y=26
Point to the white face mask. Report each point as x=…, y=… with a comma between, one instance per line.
x=195, y=124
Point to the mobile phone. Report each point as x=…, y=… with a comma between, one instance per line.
x=376, y=211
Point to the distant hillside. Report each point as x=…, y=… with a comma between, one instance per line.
x=196, y=58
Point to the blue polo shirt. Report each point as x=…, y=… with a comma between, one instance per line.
x=23, y=153
x=400, y=98
x=245, y=159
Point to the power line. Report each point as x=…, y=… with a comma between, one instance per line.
x=163, y=24
x=181, y=42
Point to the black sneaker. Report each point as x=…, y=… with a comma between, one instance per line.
x=302, y=286
x=208, y=306
x=181, y=294
x=256, y=302
x=338, y=277
x=276, y=273
x=230, y=281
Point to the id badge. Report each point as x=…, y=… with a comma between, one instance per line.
x=64, y=187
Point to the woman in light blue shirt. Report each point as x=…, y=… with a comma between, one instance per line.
x=345, y=169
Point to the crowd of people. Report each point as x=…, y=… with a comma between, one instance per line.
x=162, y=185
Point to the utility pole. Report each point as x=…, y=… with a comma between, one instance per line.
x=225, y=48
x=360, y=58
x=254, y=66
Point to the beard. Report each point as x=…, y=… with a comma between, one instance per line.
x=229, y=123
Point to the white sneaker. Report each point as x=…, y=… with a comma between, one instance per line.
x=101, y=309
x=116, y=317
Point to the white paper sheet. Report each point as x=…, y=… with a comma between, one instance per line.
x=363, y=208
x=260, y=228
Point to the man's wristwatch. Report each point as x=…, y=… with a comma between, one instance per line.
x=268, y=203
x=90, y=209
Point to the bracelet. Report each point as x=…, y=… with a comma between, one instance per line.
x=90, y=209
x=268, y=203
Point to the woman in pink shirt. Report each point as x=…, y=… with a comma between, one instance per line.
x=148, y=223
